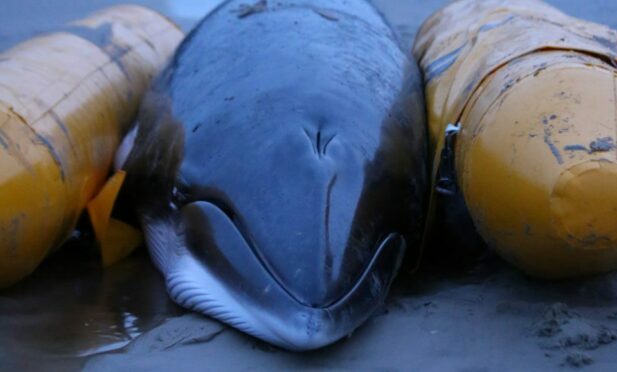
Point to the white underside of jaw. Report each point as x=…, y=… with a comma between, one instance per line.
x=191, y=286
x=188, y=284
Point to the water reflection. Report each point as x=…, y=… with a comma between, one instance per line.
x=188, y=12
x=70, y=307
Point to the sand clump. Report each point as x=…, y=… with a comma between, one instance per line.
x=578, y=359
x=563, y=329
x=189, y=329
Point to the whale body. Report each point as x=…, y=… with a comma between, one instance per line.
x=278, y=168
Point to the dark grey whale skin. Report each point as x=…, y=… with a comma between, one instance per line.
x=280, y=170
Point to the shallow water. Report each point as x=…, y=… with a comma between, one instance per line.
x=188, y=12
x=21, y=19
x=70, y=308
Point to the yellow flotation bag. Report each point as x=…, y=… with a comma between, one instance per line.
x=529, y=97
x=66, y=99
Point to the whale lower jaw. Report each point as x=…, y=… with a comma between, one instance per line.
x=264, y=309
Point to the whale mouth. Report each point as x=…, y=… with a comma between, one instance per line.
x=222, y=273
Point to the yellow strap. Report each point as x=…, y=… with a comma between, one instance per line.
x=115, y=238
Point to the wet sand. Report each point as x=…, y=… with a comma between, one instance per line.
x=71, y=314
x=487, y=319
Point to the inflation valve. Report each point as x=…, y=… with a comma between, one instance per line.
x=446, y=173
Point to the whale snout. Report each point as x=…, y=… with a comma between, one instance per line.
x=225, y=274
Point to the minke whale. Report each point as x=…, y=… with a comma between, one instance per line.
x=278, y=168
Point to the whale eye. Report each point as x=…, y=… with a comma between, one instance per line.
x=179, y=198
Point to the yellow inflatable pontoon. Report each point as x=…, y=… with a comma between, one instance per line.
x=524, y=97
x=65, y=101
